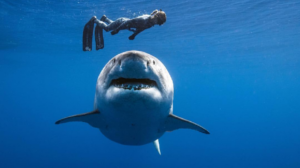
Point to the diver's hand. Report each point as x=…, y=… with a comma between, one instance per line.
x=114, y=32
x=131, y=37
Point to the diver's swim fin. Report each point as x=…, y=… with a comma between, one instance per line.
x=99, y=37
x=88, y=35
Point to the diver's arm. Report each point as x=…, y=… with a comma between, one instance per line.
x=154, y=12
x=135, y=33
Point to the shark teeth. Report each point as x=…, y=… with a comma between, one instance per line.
x=133, y=86
x=133, y=83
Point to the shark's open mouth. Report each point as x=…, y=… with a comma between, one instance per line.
x=133, y=83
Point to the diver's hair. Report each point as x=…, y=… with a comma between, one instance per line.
x=161, y=15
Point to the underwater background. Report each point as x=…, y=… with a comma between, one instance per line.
x=235, y=67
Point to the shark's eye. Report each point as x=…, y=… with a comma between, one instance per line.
x=114, y=60
x=148, y=62
x=153, y=62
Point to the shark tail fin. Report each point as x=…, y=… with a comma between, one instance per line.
x=174, y=122
x=156, y=144
x=92, y=118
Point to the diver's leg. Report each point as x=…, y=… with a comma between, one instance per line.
x=88, y=35
x=118, y=25
x=106, y=20
x=102, y=25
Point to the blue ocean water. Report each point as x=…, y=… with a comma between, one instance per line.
x=235, y=67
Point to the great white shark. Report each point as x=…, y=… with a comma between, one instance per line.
x=134, y=101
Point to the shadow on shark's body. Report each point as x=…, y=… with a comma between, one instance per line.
x=134, y=101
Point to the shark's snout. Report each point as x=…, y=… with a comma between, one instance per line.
x=133, y=61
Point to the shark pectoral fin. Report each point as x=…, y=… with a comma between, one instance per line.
x=92, y=118
x=156, y=144
x=174, y=122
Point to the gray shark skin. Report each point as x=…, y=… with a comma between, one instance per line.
x=134, y=101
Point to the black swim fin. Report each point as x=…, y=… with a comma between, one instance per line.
x=88, y=35
x=99, y=37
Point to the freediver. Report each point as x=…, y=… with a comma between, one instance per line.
x=136, y=25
